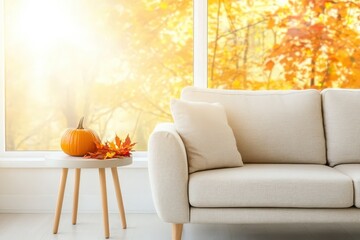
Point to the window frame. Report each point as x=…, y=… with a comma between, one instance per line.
x=199, y=80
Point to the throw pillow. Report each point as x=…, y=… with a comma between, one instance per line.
x=208, y=138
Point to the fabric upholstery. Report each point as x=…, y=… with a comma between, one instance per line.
x=168, y=171
x=353, y=171
x=274, y=215
x=271, y=126
x=271, y=185
x=342, y=125
x=208, y=139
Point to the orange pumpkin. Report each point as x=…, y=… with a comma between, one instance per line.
x=79, y=141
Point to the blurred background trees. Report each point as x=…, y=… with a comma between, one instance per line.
x=284, y=44
x=115, y=62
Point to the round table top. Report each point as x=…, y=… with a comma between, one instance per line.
x=61, y=160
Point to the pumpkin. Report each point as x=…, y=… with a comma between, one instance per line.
x=79, y=141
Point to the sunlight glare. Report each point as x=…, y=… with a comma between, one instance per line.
x=282, y=2
x=45, y=23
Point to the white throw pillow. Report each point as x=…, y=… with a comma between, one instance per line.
x=208, y=138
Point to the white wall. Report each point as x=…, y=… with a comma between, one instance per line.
x=33, y=190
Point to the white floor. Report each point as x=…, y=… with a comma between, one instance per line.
x=149, y=227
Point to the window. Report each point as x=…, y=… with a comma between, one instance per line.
x=283, y=44
x=119, y=62
x=115, y=62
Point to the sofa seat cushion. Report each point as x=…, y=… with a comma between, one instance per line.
x=353, y=171
x=272, y=185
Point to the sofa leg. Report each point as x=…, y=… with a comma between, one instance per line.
x=176, y=231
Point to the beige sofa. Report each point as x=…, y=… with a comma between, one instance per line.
x=301, y=154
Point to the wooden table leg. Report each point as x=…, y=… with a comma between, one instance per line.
x=119, y=196
x=60, y=199
x=104, y=201
x=76, y=195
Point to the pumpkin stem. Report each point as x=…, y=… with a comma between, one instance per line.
x=80, y=126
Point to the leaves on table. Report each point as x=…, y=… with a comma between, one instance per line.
x=115, y=149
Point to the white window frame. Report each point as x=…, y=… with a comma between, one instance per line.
x=36, y=158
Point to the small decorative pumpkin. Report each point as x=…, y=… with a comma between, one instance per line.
x=79, y=141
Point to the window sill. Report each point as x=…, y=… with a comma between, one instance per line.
x=40, y=162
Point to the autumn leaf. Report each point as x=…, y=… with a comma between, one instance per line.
x=113, y=149
x=317, y=27
x=271, y=23
x=118, y=141
x=269, y=65
x=112, y=145
x=110, y=154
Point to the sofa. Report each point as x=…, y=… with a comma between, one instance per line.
x=300, y=160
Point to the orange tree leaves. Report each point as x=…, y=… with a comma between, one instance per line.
x=318, y=43
x=284, y=44
x=115, y=149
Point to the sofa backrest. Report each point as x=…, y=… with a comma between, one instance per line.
x=342, y=125
x=271, y=126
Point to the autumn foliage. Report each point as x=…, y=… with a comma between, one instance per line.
x=284, y=44
x=116, y=149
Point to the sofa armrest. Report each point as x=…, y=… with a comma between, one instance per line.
x=168, y=170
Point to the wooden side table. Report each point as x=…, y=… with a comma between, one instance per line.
x=65, y=162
